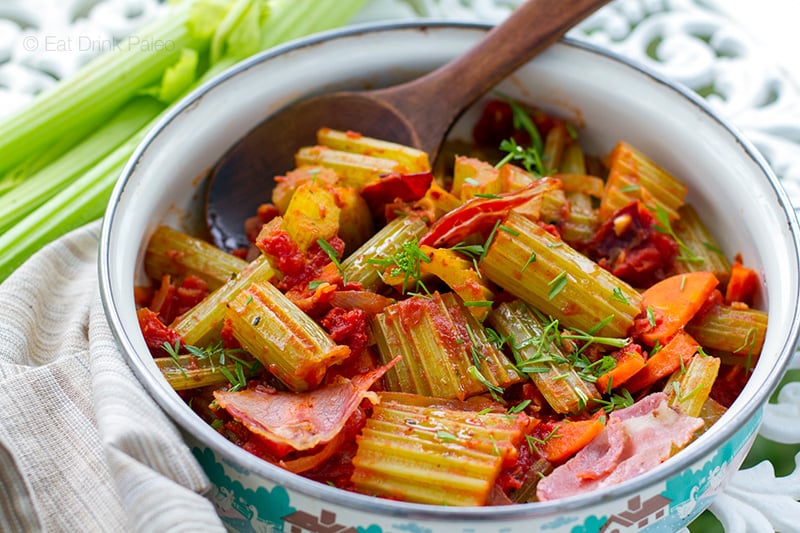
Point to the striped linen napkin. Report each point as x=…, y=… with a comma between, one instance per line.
x=82, y=445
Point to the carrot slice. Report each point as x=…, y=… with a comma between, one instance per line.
x=742, y=284
x=569, y=438
x=629, y=361
x=678, y=351
x=671, y=303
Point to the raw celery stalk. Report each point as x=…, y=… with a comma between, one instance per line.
x=88, y=99
x=35, y=190
x=102, y=87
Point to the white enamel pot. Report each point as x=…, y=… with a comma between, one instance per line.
x=729, y=183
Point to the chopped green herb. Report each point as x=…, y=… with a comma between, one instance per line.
x=651, y=319
x=510, y=231
x=557, y=284
x=478, y=303
x=446, y=436
x=519, y=407
x=494, y=390
x=530, y=260
x=619, y=296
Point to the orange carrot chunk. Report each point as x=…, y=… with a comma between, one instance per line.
x=676, y=353
x=569, y=438
x=629, y=361
x=742, y=285
x=670, y=304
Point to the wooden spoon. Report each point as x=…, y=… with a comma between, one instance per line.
x=417, y=113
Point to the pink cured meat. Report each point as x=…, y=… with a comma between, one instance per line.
x=635, y=440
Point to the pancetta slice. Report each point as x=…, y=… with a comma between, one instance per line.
x=301, y=420
x=635, y=440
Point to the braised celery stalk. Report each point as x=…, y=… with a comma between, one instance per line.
x=634, y=176
x=283, y=338
x=172, y=252
x=410, y=159
x=188, y=371
x=355, y=170
x=554, y=278
x=360, y=266
x=688, y=388
x=730, y=329
x=312, y=214
x=573, y=160
x=555, y=144
x=445, y=351
x=472, y=176
x=458, y=273
x=434, y=454
x=201, y=324
x=538, y=355
x=699, y=249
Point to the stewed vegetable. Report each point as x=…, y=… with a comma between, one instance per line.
x=492, y=330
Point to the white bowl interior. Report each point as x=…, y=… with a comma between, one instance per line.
x=728, y=183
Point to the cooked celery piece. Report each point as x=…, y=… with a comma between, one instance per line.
x=585, y=184
x=312, y=214
x=458, y=273
x=554, y=146
x=355, y=220
x=730, y=329
x=355, y=170
x=190, y=372
x=537, y=354
x=711, y=412
x=201, y=324
x=45, y=183
x=283, y=338
x=472, y=176
x=555, y=279
x=411, y=159
x=172, y=252
x=540, y=468
x=688, y=388
x=445, y=351
x=699, y=249
x=513, y=178
x=554, y=207
x=581, y=222
x=358, y=268
x=634, y=176
x=573, y=160
x=433, y=454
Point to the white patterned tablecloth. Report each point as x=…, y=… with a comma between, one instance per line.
x=695, y=42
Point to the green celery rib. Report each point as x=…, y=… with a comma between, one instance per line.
x=45, y=183
x=99, y=89
x=83, y=101
x=81, y=202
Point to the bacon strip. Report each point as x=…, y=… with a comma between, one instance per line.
x=634, y=441
x=301, y=420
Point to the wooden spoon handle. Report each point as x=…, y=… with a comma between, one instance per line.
x=432, y=102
